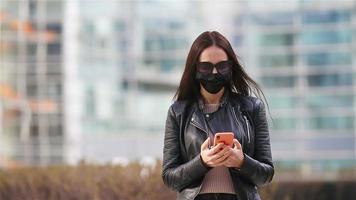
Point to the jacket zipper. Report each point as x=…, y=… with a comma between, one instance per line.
x=207, y=135
x=198, y=127
x=248, y=128
x=245, y=119
x=237, y=121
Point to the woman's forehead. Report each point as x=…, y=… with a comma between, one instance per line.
x=213, y=54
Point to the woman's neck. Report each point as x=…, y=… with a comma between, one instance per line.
x=211, y=98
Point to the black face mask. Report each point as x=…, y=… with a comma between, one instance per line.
x=213, y=83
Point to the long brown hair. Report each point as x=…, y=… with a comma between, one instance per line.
x=189, y=87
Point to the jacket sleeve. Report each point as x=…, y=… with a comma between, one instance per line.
x=259, y=169
x=176, y=174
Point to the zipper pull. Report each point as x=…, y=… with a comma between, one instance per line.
x=247, y=127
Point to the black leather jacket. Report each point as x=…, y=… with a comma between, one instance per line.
x=183, y=169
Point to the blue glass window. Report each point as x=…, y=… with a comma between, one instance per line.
x=322, y=101
x=326, y=36
x=270, y=19
x=285, y=123
x=119, y=25
x=279, y=81
x=328, y=58
x=276, y=60
x=160, y=42
x=237, y=40
x=329, y=144
x=326, y=16
x=329, y=80
x=283, y=101
x=281, y=39
x=331, y=122
x=167, y=64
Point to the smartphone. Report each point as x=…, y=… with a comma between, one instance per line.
x=224, y=137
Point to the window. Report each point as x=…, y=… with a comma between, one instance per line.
x=176, y=25
x=237, y=40
x=54, y=49
x=281, y=101
x=323, y=101
x=55, y=132
x=329, y=144
x=90, y=102
x=326, y=80
x=119, y=25
x=32, y=49
x=326, y=16
x=276, y=60
x=151, y=45
x=331, y=122
x=284, y=39
x=54, y=9
x=167, y=64
x=54, y=27
x=156, y=42
x=279, y=81
x=285, y=123
x=270, y=19
x=328, y=58
x=326, y=36
x=88, y=27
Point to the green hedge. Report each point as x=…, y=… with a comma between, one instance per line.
x=135, y=182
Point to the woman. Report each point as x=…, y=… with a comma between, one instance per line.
x=214, y=96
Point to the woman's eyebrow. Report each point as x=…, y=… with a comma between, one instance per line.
x=211, y=62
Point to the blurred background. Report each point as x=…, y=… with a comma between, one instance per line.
x=92, y=80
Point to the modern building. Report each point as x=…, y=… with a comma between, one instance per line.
x=301, y=53
x=304, y=56
x=122, y=73
x=31, y=86
x=120, y=62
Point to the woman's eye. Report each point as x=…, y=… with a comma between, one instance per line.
x=204, y=68
x=224, y=68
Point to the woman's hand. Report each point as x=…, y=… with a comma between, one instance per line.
x=236, y=157
x=215, y=156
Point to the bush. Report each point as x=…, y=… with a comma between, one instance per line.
x=84, y=181
x=136, y=182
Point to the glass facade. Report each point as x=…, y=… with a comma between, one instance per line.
x=305, y=61
x=128, y=57
x=128, y=71
x=31, y=85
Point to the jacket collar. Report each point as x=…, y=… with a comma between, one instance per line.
x=198, y=120
x=198, y=115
